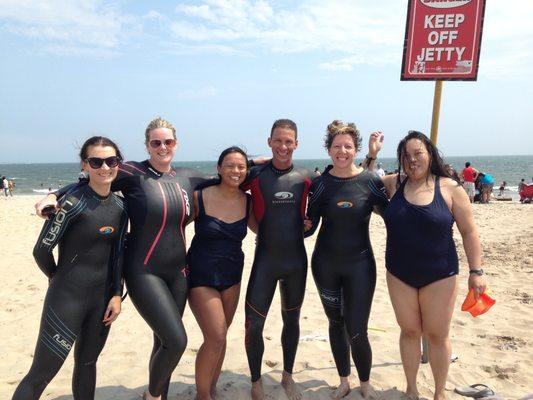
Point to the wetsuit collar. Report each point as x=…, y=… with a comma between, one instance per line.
x=281, y=171
x=153, y=170
x=96, y=195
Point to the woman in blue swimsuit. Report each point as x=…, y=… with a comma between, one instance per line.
x=421, y=259
x=215, y=260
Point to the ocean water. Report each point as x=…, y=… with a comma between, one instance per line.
x=38, y=178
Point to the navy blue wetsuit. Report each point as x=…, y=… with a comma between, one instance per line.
x=215, y=258
x=89, y=230
x=279, y=202
x=155, y=267
x=420, y=246
x=343, y=262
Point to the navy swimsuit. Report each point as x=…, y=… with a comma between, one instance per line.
x=215, y=257
x=420, y=246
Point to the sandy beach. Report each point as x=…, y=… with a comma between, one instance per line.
x=495, y=349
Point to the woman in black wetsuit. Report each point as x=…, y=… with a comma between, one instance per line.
x=216, y=260
x=155, y=268
x=343, y=264
x=421, y=259
x=83, y=297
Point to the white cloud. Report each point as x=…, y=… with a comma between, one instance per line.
x=507, y=44
x=357, y=31
x=91, y=26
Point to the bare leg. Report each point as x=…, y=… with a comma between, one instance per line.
x=436, y=303
x=230, y=300
x=404, y=300
x=206, y=304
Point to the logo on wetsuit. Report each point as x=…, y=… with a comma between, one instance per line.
x=106, y=230
x=187, y=205
x=56, y=227
x=332, y=299
x=344, y=204
x=62, y=342
x=283, y=197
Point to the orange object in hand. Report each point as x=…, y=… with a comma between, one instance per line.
x=481, y=306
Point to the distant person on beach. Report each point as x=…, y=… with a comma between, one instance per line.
x=5, y=186
x=215, y=260
x=502, y=188
x=469, y=175
x=11, y=186
x=343, y=264
x=380, y=171
x=487, y=184
x=317, y=172
x=84, y=297
x=521, y=185
x=421, y=258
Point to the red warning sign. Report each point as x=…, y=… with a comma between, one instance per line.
x=442, y=39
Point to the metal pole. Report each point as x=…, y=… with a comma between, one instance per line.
x=434, y=134
x=436, y=112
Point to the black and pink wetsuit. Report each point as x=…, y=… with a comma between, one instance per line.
x=160, y=206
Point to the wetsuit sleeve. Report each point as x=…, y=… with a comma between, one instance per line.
x=117, y=258
x=120, y=181
x=51, y=234
x=378, y=194
x=313, y=204
x=65, y=190
x=206, y=183
x=252, y=174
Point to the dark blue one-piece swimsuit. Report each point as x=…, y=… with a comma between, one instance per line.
x=420, y=246
x=215, y=257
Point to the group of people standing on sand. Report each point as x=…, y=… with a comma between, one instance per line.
x=7, y=186
x=282, y=204
x=478, y=185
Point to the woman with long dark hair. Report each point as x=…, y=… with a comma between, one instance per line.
x=83, y=298
x=421, y=258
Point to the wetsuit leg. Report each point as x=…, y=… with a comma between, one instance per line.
x=89, y=345
x=292, y=290
x=259, y=294
x=161, y=302
x=329, y=287
x=359, y=283
x=61, y=320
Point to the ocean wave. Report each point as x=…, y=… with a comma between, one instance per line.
x=46, y=191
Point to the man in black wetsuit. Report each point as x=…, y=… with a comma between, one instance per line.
x=279, y=193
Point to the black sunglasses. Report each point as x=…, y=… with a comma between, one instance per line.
x=96, y=162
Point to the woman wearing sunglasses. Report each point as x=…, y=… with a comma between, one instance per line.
x=159, y=200
x=83, y=297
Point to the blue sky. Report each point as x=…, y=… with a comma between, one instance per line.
x=223, y=70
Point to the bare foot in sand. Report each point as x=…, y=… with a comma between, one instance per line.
x=291, y=389
x=410, y=395
x=257, y=390
x=343, y=389
x=367, y=391
x=148, y=396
